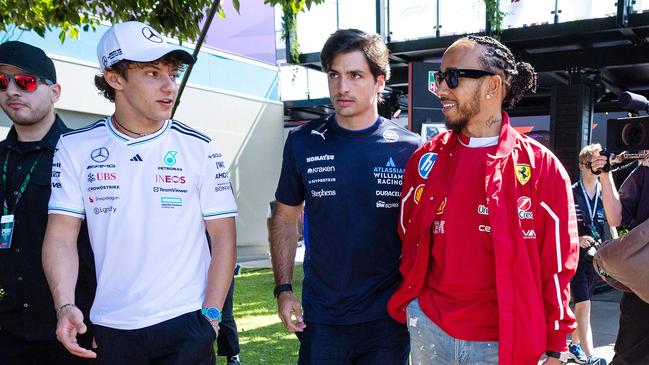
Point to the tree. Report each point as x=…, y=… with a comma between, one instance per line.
x=176, y=18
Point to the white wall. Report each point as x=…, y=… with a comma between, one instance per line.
x=248, y=130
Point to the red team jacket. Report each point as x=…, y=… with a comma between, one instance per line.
x=534, y=233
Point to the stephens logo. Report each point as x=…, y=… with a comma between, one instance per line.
x=426, y=163
x=524, y=205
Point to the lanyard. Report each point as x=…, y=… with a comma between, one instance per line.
x=23, y=186
x=591, y=210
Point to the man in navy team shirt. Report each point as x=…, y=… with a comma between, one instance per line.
x=348, y=169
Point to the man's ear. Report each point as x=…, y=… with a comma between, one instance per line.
x=115, y=80
x=380, y=83
x=495, y=86
x=55, y=93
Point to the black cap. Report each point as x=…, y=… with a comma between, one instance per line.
x=29, y=58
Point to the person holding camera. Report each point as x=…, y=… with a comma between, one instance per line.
x=591, y=225
x=630, y=207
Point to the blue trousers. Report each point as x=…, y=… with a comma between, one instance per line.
x=380, y=342
x=431, y=346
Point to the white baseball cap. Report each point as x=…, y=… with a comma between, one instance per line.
x=135, y=41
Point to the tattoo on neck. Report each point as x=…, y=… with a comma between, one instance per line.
x=492, y=121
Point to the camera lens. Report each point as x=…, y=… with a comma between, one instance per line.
x=634, y=134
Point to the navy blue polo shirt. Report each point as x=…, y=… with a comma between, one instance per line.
x=351, y=182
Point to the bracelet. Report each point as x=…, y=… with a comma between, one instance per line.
x=554, y=354
x=59, y=309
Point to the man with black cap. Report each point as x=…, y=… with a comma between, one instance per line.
x=28, y=91
x=149, y=187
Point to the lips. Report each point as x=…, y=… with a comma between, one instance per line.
x=447, y=105
x=15, y=104
x=166, y=102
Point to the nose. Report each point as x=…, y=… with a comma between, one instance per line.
x=169, y=84
x=12, y=88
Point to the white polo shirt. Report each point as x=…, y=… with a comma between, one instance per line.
x=145, y=200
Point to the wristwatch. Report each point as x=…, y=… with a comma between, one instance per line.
x=282, y=288
x=211, y=313
x=555, y=354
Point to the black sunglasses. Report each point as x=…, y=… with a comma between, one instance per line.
x=452, y=76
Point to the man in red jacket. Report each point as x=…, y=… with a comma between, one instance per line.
x=488, y=225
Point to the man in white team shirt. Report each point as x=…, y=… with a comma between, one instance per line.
x=149, y=188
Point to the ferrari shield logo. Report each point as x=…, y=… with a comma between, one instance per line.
x=523, y=173
x=432, y=86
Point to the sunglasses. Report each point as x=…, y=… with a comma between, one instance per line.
x=452, y=76
x=23, y=81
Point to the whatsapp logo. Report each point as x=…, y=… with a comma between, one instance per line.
x=170, y=158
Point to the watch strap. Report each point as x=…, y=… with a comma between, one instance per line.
x=282, y=288
x=554, y=354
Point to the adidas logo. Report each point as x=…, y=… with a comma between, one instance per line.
x=136, y=158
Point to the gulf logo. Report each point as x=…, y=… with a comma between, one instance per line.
x=418, y=193
x=426, y=163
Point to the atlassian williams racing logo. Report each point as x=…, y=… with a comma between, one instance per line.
x=426, y=163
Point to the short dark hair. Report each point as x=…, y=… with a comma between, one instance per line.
x=122, y=67
x=520, y=76
x=350, y=40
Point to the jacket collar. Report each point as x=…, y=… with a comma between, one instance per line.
x=506, y=138
x=49, y=141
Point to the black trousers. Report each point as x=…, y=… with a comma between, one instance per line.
x=18, y=351
x=185, y=340
x=632, y=344
x=228, y=340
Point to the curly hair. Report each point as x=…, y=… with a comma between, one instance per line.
x=122, y=67
x=520, y=76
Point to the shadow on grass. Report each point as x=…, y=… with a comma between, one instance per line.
x=262, y=338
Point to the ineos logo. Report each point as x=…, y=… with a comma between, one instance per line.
x=100, y=154
x=150, y=35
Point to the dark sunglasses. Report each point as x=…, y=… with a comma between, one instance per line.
x=24, y=82
x=452, y=76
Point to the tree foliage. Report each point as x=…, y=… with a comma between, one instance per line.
x=289, y=22
x=175, y=18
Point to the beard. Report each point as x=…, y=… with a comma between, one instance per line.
x=466, y=111
x=34, y=114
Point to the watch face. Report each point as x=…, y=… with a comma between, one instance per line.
x=212, y=313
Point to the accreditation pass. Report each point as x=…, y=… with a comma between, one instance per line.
x=7, y=231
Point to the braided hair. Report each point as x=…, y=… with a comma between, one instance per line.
x=520, y=76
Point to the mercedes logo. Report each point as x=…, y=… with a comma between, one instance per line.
x=100, y=154
x=151, y=35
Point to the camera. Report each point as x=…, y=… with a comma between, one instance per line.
x=592, y=250
x=627, y=134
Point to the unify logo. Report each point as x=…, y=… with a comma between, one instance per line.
x=136, y=158
x=170, y=158
x=98, y=210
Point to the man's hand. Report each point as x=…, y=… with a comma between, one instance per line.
x=597, y=162
x=287, y=305
x=586, y=241
x=552, y=361
x=70, y=323
x=215, y=326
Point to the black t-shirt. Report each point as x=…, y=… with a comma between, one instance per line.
x=351, y=184
x=634, y=196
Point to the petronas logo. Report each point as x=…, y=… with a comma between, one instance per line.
x=170, y=158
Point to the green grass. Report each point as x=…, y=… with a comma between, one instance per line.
x=262, y=337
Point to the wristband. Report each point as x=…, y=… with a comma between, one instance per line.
x=282, y=288
x=59, y=309
x=554, y=354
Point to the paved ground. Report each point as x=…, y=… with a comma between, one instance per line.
x=605, y=312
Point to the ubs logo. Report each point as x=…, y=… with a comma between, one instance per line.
x=150, y=35
x=100, y=154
